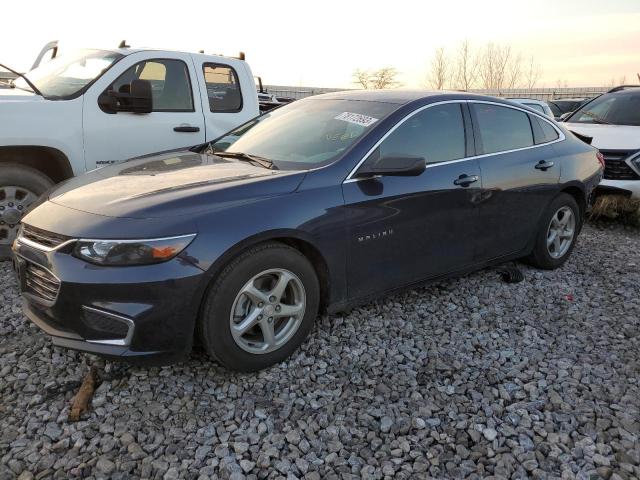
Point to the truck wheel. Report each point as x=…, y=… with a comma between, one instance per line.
x=20, y=186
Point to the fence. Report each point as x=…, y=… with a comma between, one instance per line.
x=546, y=93
x=537, y=93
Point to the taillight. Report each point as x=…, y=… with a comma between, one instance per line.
x=600, y=159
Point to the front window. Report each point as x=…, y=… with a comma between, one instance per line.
x=614, y=109
x=66, y=76
x=305, y=134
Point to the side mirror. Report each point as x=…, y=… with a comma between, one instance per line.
x=135, y=97
x=564, y=116
x=394, y=166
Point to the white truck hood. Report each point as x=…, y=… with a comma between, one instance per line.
x=17, y=95
x=608, y=137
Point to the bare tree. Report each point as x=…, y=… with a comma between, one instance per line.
x=386, y=77
x=440, y=71
x=563, y=83
x=513, y=70
x=466, y=67
x=361, y=78
x=623, y=80
x=532, y=74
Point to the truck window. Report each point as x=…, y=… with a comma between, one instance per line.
x=170, y=84
x=223, y=88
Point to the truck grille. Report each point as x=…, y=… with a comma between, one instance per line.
x=42, y=237
x=615, y=166
x=40, y=282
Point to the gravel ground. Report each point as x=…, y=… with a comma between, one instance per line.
x=466, y=378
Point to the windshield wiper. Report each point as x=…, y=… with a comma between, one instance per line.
x=245, y=157
x=24, y=77
x=595, y=117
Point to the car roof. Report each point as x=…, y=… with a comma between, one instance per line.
x=532, y=100
x=403, y=97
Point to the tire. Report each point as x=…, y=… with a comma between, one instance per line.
x=13, y=202
x=549, y=257
x=227, y=306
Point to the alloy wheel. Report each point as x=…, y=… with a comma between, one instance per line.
x=561, y=231
x=14, y=202
x=268, y=311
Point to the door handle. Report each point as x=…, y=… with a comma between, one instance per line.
x=465, y=180
x=186, y=128
x=543, y=165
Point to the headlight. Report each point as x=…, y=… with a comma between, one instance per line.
x=131, y=252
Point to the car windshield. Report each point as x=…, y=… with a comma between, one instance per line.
x=305, y=134
x=615, y=109
x=65, y=76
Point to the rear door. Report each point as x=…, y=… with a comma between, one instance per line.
x=520, y=175
x=405, y=229
x=175, y=122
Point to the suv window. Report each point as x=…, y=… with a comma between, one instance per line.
x=223, y=88
x=502, y=128
x=617, y=108
x=536, y=107
x=436, y=133
x=170, y=85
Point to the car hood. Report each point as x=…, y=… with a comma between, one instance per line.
x=176, y=183
x=608, y=137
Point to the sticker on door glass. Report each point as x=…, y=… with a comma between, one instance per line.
x=357, y=118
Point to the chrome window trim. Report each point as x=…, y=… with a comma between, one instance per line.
x=123, y=342
x=561, y=136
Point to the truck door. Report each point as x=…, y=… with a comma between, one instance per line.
x=175, y=122
x=230, y=98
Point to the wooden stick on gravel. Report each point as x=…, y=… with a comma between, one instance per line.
x=82, y=399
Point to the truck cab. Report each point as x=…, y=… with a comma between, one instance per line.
x=83, y=115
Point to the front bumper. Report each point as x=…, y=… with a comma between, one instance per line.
x=625, y=187
x=143, y=314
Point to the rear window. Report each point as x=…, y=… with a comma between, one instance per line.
x=535, y=106
x=615, y=109
x=502, y=128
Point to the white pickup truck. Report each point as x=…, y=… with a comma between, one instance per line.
x=95, y=107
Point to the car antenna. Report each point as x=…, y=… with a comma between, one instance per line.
x=123, y=44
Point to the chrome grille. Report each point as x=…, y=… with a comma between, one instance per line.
x=40, y=282
x=615, y=167
x=42, y=237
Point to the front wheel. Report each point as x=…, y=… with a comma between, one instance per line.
x=20, y=186
x=557, y=233
x=261, y=308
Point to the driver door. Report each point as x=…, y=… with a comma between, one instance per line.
x=175, y=122
x=404, y=229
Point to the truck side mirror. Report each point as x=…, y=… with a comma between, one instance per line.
x=136, y=98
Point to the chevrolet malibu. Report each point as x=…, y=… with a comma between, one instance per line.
x=320, y=205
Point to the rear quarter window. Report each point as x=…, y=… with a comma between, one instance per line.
x=502, y=128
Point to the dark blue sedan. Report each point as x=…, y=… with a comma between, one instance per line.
x=319, y=205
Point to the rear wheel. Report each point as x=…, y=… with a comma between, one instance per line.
x=20, y=186
x=557, y=233
x=260, y=308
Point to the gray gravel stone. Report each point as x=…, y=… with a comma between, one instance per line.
x=465, y=378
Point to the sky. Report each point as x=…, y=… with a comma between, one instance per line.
x=320, y=44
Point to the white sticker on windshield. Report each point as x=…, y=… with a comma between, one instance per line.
x=357, y=118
